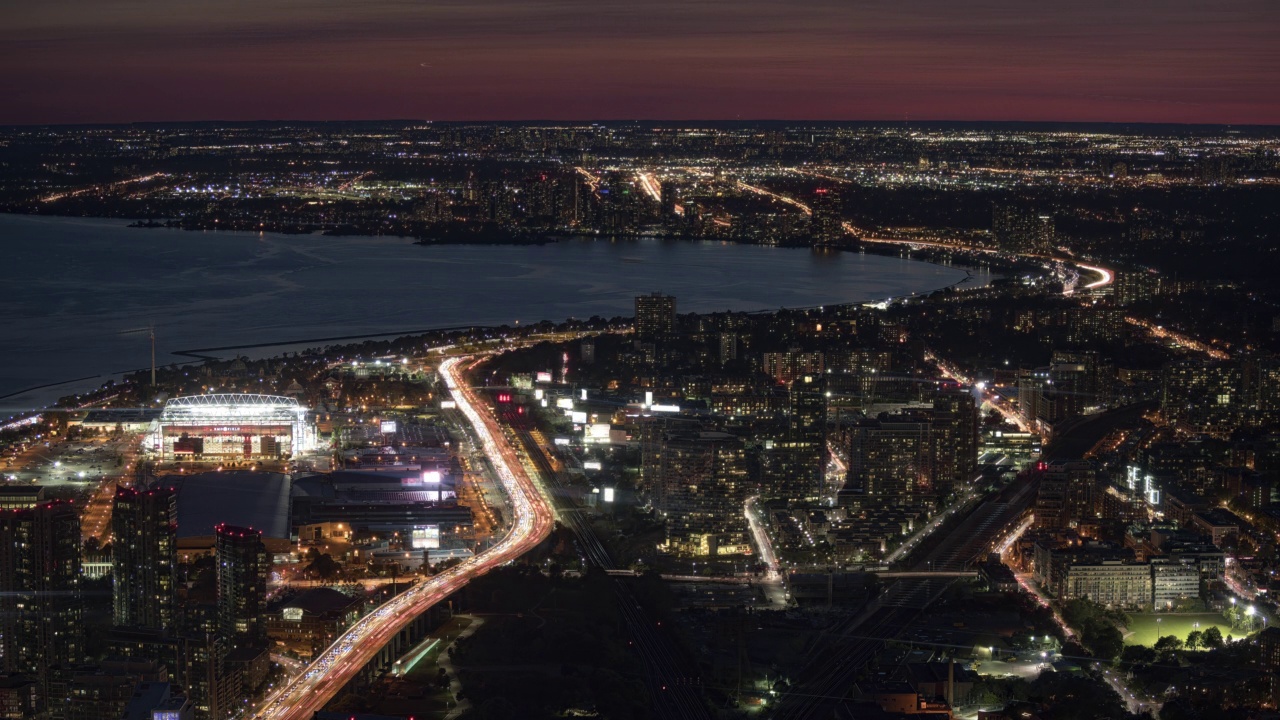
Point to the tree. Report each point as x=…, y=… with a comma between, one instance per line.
x=1211, y=638
x=1167, y=643
x=324, y=567
x=1194, y=639
x=1105, y=640
x=1235, y=616
x=1137, y=655
x=1074, y=697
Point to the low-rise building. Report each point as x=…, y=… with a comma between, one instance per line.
x=1110, y=582
x=1173, y=583
x=310, y=621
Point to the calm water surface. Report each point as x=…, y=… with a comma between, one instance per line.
x=77, y=295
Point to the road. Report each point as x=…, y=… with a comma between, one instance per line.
x=650, y=185
x=92, y=467
x=1176, y=338
x=763, y=544
x=1135, y=703
x=772, y=585
x=309, y=692
x=1104, y=276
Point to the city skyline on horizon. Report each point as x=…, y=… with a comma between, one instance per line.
x=76, y=62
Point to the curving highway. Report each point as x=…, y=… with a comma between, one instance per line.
x=300, y=698
x=1105, y=276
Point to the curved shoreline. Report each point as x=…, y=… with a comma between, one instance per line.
x=833, y=282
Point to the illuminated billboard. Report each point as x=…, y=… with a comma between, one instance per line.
x=388, y=427
x=425, y=536
x=431, y=477
x=544, y=377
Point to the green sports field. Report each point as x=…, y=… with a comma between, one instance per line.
x=1144, y=630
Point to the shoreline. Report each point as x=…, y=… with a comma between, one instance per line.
x=188, y=356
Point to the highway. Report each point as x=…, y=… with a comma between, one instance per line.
x=761, y=537
x=650, y=185
x=1104, y=276
x=324, y=678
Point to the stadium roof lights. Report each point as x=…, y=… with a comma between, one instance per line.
x=232, y=407
x=224, y=399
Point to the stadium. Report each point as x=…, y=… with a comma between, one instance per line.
x=226, y=426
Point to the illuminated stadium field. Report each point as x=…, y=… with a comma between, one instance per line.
x=225, y=426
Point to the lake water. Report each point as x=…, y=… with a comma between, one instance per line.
x=76, y=295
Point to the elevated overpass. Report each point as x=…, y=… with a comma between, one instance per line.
x=376, y=639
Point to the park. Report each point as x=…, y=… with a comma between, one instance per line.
x=1145, y=628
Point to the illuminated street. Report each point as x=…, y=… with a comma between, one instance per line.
x=348, y=655
x=735, y=418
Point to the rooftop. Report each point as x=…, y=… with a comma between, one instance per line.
x=257, y=500
x=319, y=601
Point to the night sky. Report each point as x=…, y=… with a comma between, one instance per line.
x=1096, y=60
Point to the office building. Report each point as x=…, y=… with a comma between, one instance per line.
x=309, y=622
x=105, y=691
x=157, y=701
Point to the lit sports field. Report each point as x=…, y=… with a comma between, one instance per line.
x=1144, y=630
